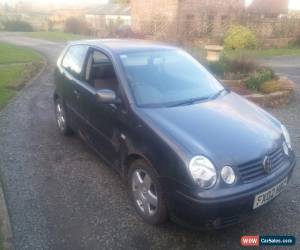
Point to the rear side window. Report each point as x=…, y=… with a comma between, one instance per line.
x=74, y=59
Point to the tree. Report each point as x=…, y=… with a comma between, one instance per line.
x=77, y=26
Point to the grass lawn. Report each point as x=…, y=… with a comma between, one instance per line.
x=13, y=54
x=17, y=65
x=265, y=52
x=55, y=36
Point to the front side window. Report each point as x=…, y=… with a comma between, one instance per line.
x=100, y=73
x=74, y=59
x=167, y=77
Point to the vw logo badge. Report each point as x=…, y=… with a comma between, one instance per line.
x=267, y=164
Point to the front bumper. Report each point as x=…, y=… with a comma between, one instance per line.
x=214, y=213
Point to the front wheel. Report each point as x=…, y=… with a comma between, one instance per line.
x=61, y=118
x=146, y=193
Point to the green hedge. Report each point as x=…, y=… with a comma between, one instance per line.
x=16, y=26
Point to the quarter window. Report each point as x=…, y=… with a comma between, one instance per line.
x=74, y=60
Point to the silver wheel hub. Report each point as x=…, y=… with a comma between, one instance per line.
x=144, y=192
x=60, y=116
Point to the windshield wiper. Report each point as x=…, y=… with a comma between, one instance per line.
x=218, y=94
x=189, y=101
x=197, y=99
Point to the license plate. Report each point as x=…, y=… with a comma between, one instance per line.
x=269, y=194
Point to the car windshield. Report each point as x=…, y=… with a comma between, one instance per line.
x=168, y=78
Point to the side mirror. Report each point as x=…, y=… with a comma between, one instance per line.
x=107, y=96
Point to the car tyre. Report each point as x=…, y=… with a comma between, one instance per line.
x=146, y=193
x=61, y=118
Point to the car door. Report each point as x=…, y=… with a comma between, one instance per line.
x=72, y=68
x=104, y=120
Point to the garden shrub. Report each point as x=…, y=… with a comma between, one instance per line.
x=243, y=64
x=1, y=26
x=270, y=86
x=239, y=37
x=257, y=78
x=77, y=26
x=17, y=26
x=296, y=43
x=219, y=68
x=234, y=68
x=125, y=31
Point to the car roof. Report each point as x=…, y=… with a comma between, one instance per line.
x=125, y=45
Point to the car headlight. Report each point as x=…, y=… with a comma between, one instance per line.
x=228, y=175
x=203, y=172
x=286, y=136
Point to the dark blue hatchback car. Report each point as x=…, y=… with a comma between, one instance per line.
x=188, y=148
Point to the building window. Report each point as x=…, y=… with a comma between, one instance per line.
x=210, y=23
x=224, y=20
x=190, y=17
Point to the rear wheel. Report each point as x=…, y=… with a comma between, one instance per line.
x=61, y=118
x=146, y=193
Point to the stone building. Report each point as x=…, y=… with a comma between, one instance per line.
x=183, y=18
x=108, y=16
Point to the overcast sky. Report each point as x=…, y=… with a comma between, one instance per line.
x=41, y=2
x=294, y=4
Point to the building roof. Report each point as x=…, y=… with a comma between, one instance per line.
x=269, y=7
x=111, y=9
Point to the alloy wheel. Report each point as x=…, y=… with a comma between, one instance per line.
x=60, y=116
x=144, y=192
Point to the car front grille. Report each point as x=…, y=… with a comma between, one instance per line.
x=254, y=170
x=223, y=222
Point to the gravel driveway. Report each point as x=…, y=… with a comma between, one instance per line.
x=61, y=196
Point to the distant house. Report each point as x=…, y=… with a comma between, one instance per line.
x=1, y=16
x=173, y=18
x=1, y=9
x=108, y=14
x=269, y=8
x=294, y=14
x=38, y=20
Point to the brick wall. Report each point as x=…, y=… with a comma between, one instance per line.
x=154, y=16
x=207, y=20
x=202, y=17
x=177, y=18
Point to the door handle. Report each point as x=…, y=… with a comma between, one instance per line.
x=76, y=93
